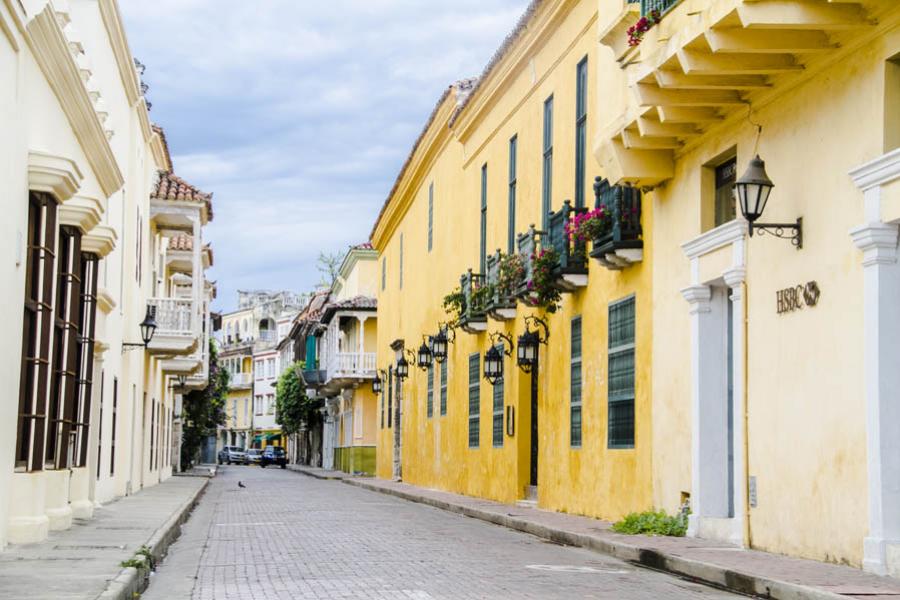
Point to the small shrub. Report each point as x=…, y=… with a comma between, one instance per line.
x=652, y=523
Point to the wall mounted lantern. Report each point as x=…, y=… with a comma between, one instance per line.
x=439, y=341
x=493, y=358
x=424, y=357
x=527, y=349
x=148, y=328
x=378, y=383
x=402, y=368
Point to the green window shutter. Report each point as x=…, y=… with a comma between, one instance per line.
x=511, y=209
x=430, y=399
x=580, y=130
x=621, y=374
x=474, y=399
x=401, y=261
x=430, y=215
x=575, y=385
x=310, y=358
x=444, y=387
x=482, y=257
x=547, y=175
x=390, y=412
x=497, y=424
x=382, y=408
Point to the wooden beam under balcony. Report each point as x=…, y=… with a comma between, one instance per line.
x=786, y=41
x=636, y=166
x=651, y=95
x=632, y=139
x=694, y=62
x=792, y=14
x=674, y=80
x=681, y=114
x=653, y=128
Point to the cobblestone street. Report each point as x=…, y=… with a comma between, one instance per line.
x=290, y=536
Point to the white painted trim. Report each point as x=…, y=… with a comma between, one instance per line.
x=878, y=241
x=714, y=239
x=55, y=175
x=877, y=172
x=101, y=240
x=83, y=212
x=112, y=21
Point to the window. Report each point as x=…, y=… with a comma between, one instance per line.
x=444, y=388
x=152, y=431
x=36, y=329
x=100, y=428
x=85, y=359
x=115, y=410
x=382, y=406
x=430, y=214
x=726, y=175
x=621, y=374
x=401, y=261
x=390, y=412
x=575, y=385
x=270, y=368
x=270, y=404
x=497, y=424
x=138, y=247
x=511, y=197
x=547, y=181
x=429, y=409
x=258, y=405
x=482, y=257
x=383, y=272
x=581, y=75
x=246, y=412
x=474, y=399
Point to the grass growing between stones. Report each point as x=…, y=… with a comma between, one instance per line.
x=652, y=523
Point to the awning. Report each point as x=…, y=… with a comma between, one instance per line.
x=257, y=438
x=273, y=436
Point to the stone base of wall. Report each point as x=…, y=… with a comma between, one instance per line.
x=355, y=460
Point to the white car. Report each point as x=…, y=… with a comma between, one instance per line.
x=232, y=454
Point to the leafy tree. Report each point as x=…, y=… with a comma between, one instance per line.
x=203, y=410
x=329, y=263
x=293, y=408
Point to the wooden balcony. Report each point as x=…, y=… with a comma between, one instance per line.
x=622, y=245
x=571, y=271
x=473, y=318
x=702, y=63
x=501, y=304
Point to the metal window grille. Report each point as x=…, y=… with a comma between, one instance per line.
x=474, y=399
x=547, y=175
x=663, y=6
x=443, y=388
x=575, y=385
x=390, y=412
x=511, y=201
x=429, y=407
x=581, y=76
x=621, y=374
x=497, y=421
x=482, y=256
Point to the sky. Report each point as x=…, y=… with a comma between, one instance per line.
x=298, y=114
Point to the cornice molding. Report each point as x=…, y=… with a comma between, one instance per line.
x=55, y=175
x=100, y=241
x=883, y=169
x=105, y=300
x=83, y=212
x=112, y=20
x=155, y=141
x=698, y=296
x=878, y=242
x=714, y=239
x=51, y=51
x=7, y=28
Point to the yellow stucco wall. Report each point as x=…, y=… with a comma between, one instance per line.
x=591, y=480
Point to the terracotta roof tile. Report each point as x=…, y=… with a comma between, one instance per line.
x=182, y=241
x=173, y=188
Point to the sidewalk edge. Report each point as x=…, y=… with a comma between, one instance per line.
x=130, y=582
x=705, y=572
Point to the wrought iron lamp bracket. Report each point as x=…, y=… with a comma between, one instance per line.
x=785, y=231
x=540, y=326
x=496, y=336
x=449, y=330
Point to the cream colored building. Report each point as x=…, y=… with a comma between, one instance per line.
x=100, y=234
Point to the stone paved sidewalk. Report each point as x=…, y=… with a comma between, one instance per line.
x=747, y=571
x=83, y=562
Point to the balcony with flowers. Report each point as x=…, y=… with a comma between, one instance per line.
x=504, y=274
x=467, y=304
x=613, y=227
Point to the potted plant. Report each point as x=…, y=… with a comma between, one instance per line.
x=454, y=304
x=512, y=274
x=590, y=226
x=636, y=32
x=541, y=289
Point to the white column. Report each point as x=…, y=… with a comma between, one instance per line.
x=734, y=279
x=881, y=326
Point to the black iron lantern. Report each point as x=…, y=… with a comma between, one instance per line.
x=377, y=384
x=424, y=357
x=527, y=350
x=439, y=346
x=148, y=325
x=752, y=191
x=402, y=368
x=493, y=365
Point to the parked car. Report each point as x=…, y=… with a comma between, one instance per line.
x=253, y=456
x=232, y=454
x=273, y=455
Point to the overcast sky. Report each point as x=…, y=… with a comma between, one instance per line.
x=298, y=114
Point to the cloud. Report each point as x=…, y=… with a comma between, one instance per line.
x=298, y=115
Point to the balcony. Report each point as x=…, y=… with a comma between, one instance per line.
x=473, y=316
x=621, y=245
x=503, y=273
x=176, y=326
x=345, y=369
x=570, y=272
x=241, y=381
x=702, y=63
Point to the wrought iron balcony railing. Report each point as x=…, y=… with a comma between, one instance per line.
x=571, y=269
x=501, y=302
x=473, y=316
x=663, y=6
x=622, y=244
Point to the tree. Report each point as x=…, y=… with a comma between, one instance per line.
x=293, y=408
x=328, y=264
x=203, y=410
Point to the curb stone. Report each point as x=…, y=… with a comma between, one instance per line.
x=728, y=579
x=315, y=475
x=130, y=582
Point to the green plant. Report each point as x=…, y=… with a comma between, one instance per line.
x=541, y=286
x=511, y=273
x=142, y=559
x=590, y=225
x=652, y=523
x=293, y=408
x=203, y=410
x=454, y=304
x=481, y=296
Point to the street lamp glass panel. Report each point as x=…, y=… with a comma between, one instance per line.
x=402, y=368
x=527, y=349
x=148, y=325
x=493, y=365
x=753, y=189
x=424, y=356
x=439, y=346
x=377, y=385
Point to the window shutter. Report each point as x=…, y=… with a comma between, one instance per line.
x=621, y=374
x=474, y=399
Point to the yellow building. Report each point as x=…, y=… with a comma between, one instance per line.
x=764, y=396
x=499, y=154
